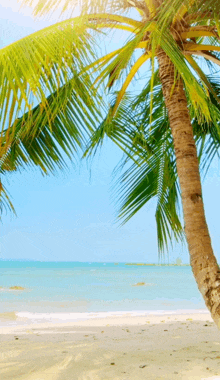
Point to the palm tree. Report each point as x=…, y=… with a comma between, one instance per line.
x=175, y=37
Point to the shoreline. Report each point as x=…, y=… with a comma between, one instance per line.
x=152, y=347
x=19, y=321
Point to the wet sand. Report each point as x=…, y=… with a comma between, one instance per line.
x=177, y=347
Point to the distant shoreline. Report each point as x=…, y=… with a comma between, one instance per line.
x=159, y=265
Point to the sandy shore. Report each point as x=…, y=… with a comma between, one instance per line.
x=118, y=348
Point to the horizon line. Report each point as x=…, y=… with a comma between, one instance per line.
x=92, y=262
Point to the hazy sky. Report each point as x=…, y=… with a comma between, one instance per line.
x=72, y=216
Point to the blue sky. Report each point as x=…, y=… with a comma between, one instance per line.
x=71, y=217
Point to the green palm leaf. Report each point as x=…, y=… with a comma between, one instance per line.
x=43, y=69
x=46, y=147
x=38, y=65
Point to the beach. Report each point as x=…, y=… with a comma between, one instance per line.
x=95, y=321
x=120, y=347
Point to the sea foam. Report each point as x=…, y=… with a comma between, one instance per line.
x=71, y=317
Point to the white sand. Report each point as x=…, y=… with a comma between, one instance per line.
x=124, y=347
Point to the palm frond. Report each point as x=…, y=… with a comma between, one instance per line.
x=155, y=175
x=34, y=142
x=207, y=135
x=149, y=175
x=5, y=201
x=38, y=65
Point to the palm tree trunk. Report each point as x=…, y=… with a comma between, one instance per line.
x=202, y=259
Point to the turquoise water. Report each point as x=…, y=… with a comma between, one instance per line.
x=96, y=287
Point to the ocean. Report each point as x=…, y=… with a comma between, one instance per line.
x=69, y=288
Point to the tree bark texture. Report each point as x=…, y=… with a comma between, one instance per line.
x=202, y=259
